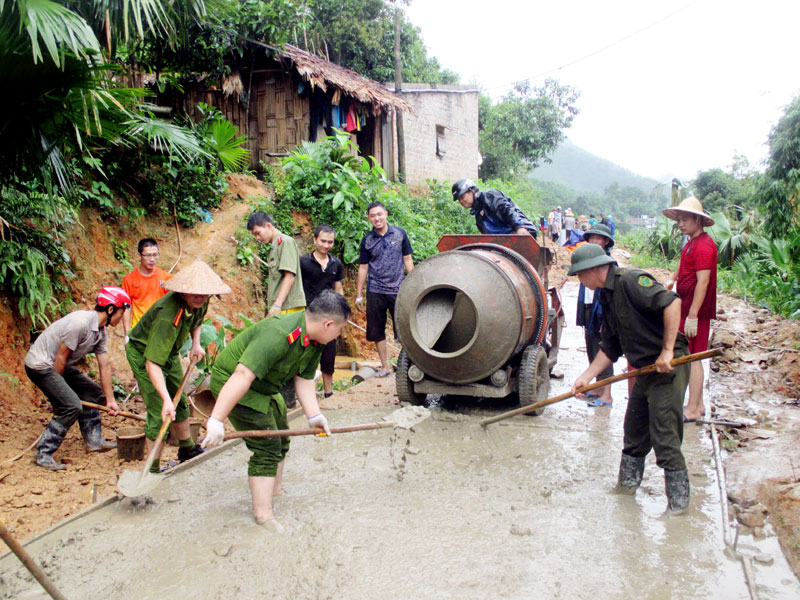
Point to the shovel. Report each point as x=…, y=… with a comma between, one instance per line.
x=598, y=384
x=135, y=483
x=121, y=413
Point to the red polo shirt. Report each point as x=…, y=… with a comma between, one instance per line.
x=699, y=254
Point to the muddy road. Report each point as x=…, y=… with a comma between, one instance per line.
x=523, y=509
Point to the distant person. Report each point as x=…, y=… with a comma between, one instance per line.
x=640, y=320
x=609, y=222
x=569, y=221
x=284, y=279
x=145, y=284
x=323, y=271
x=590, y=317
x=385, y=252
x=50, y=365
x=554, y=224
x=494, y=212
x=696, y=284
x=592, y=220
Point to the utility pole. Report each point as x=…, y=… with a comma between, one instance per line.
x=398, y=86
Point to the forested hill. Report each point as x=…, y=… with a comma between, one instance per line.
x=581, y=170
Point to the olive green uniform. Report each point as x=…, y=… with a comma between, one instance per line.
x=158, y=337
x=283, y=256
x=633, y=324
x=276, y=350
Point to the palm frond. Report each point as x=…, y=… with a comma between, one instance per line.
x=57, y=28
x=221, y=138
x=165, y=137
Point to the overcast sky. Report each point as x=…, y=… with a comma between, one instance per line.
x=700, y=81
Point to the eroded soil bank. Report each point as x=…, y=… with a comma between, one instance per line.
x=523, y=509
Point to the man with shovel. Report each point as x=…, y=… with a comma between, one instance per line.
x=640, y=320
x=250, y=371
x=153, y=352
x=50, y=365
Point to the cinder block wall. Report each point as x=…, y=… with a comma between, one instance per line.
x=453, y=112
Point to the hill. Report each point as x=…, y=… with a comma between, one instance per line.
x=581, y=170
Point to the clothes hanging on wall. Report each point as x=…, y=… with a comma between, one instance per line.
x=319, y=112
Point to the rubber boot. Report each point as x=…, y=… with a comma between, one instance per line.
x=92, y=432
x=631, y=469
x=676, y=484
x=51, y=439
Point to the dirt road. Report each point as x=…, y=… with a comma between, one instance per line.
x=521, y=510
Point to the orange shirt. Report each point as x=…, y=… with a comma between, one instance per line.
x=144, y=291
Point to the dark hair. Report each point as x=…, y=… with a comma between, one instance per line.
x=146, y=243
x=324, y=228
x=104, y=309
x=258, y=219
x=375, y=205
x=329, y=305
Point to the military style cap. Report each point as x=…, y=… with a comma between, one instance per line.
x=589, y=256
x=197, y=278
x=689, y=205
x=599, y=229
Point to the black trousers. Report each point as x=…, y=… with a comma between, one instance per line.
x=66, y=392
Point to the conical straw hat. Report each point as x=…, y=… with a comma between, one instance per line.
x=197, y=278
x=689, y=205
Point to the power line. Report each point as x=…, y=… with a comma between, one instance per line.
x=598, y=51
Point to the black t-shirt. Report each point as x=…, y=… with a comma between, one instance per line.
x=315, y=279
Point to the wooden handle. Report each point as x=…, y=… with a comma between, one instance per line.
x=273, y=433
x=165, y=425
x=121, y=413
x=598, y=384
x=30, y=564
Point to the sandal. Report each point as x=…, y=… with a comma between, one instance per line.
x=382, y=373
x=597, y=402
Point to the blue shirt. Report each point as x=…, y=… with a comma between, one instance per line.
x=384, y=255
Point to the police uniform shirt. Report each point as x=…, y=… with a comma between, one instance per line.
x=633, y=305
x=316, y=279
x=275, y=350
x=165, y=327
x=283, y=256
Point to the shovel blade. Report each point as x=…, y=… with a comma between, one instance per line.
x=136, y=483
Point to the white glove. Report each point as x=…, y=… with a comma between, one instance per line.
x=690, y=327
x=319, y=420
x=360, y=303
x=215, y=433
x=127, y=339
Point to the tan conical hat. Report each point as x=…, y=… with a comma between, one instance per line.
x=197, y=278
x=689, y=205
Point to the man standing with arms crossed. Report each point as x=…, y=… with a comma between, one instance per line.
x=385, y=251
x=144, y=284
x=322, y=271
x=696, y=284
x=284, y=280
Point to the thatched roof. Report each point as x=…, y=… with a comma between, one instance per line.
x=321, y=73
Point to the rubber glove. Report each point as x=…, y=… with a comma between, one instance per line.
x=319, y=420
x=215, y=433
x=690, y=327
x=127, y=339
x=360, y=303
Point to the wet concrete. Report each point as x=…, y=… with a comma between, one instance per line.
x=448, y=509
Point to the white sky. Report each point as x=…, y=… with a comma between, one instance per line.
x=685, y=94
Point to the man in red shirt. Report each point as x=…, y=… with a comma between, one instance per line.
x=696, y=284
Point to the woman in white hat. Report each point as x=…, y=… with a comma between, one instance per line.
x=696, y=284
x=153, y=352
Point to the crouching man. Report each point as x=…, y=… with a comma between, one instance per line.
x=640, y=320
x=50, y=365
x=246, y=378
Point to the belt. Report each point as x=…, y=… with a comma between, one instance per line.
x=293, y=310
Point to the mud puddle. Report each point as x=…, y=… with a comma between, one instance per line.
x=521, y=510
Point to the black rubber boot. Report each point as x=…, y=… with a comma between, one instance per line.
x=631, y=469
x=676, y=484
x=50, y=441
x=185, y=454
x=92, y=432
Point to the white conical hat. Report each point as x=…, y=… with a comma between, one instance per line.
x=197, y=278
x=689, y=205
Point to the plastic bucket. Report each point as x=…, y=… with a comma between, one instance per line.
x=130, y=443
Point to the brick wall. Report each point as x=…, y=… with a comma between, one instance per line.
x=441, y=133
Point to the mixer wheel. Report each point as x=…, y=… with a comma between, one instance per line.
x=405, y=387
x=533, y=383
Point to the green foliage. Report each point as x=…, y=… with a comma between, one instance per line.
x=525, y=127
x=733, y=236
x=213, y=341
x=219, y=136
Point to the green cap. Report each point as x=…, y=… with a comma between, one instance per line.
x=589, y=256
x=599, y=229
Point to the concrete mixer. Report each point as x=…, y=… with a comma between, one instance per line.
x=479, y=319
